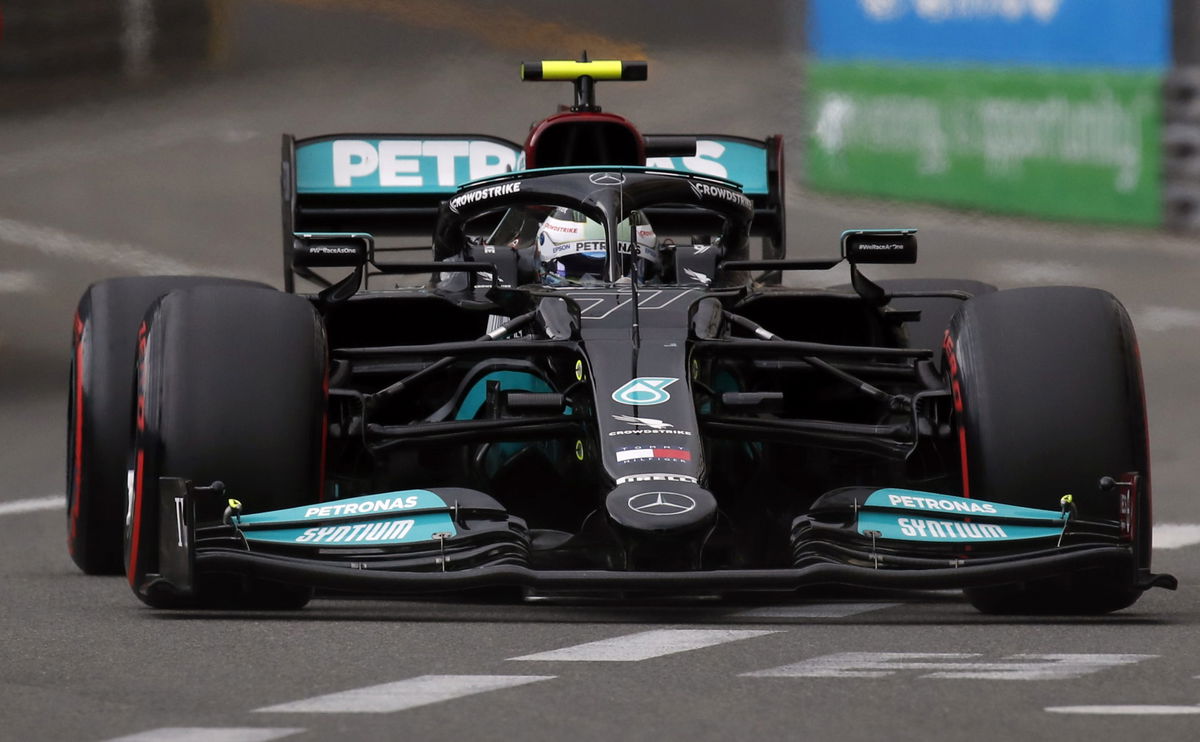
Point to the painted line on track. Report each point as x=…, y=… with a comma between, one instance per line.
x=1166, y=319
x=33, y=505
x=57, y=243
x=644, y=645
x=813, y=610
x=1039, y=272
x=19, y=282
x=72, y=154
x=1176, y=535
x=1125, y=710
x=404, y=694
x=209, y=734
x=950, y=666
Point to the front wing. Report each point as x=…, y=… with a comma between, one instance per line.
x=446, y=540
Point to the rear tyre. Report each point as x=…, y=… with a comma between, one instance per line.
x=1048, y=394
x=230, y=388
x=100, y=412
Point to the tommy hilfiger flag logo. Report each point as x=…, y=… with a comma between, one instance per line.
x=646, y=453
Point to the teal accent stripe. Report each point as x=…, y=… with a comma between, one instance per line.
x=930, y=502
x=933, y=530
x=395, y=530
x=384, y=504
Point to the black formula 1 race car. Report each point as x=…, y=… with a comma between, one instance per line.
x=668, y=419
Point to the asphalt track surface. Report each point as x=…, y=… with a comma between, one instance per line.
x=182, y=177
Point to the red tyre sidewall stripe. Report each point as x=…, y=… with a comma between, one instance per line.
x=137, y=521
x=77, y=434
x=140, y=465
x=956, y=389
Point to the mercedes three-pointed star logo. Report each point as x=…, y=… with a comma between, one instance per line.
x=607, y=178
x=661, y=503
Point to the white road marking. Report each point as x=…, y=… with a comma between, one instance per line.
x=404, y=694
x=33, y=504
x=944, y=665
x=59, y=244
x=209, y=734
x=644, y=645
x=1125, y=710
x=18, y=282
x=813, y=610
x=1040, y=272
x=1176, y=535
x=73, y=154
x=1165, y=319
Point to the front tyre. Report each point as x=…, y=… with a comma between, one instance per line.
x=1048, y=394
x=100, y=411
x=230, y=388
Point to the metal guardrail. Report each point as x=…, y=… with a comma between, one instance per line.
x=1181, y=121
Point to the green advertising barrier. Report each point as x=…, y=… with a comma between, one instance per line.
x=1056, y=144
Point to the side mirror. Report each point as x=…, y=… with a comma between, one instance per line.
x=861, y=246
x=331, y=249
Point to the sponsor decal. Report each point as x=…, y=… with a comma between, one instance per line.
x=648, y=422
x=892, y=526
x=399, y=164
x=607, y=178
x=658, y=477
x=661, y=503
x=482, y=194
x=644, y=390
x=337, y=509
x=937, y=503
x=697, y=276
x=662, y=453
x=949, y=529
x=389, y=530
x=646, y=426
x=1044, y=11
x=356, y=507
x=180, y=531
x=394, y=530
x=929, y=501
x=558, y=226
x=707, y=190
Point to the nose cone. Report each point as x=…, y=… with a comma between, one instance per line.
x=674, y=508
x=662, y=525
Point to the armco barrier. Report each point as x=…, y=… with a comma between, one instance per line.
x=1181, y=94
x=1181, y=205
x=1181, y=151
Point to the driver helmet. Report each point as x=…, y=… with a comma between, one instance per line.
x=570, y=247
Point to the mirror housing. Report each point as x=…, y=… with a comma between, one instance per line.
x=879, y=246
x=331, y=249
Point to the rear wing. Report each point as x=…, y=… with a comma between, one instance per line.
x=755, y=164
x=383, y=184
x=391, y=185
